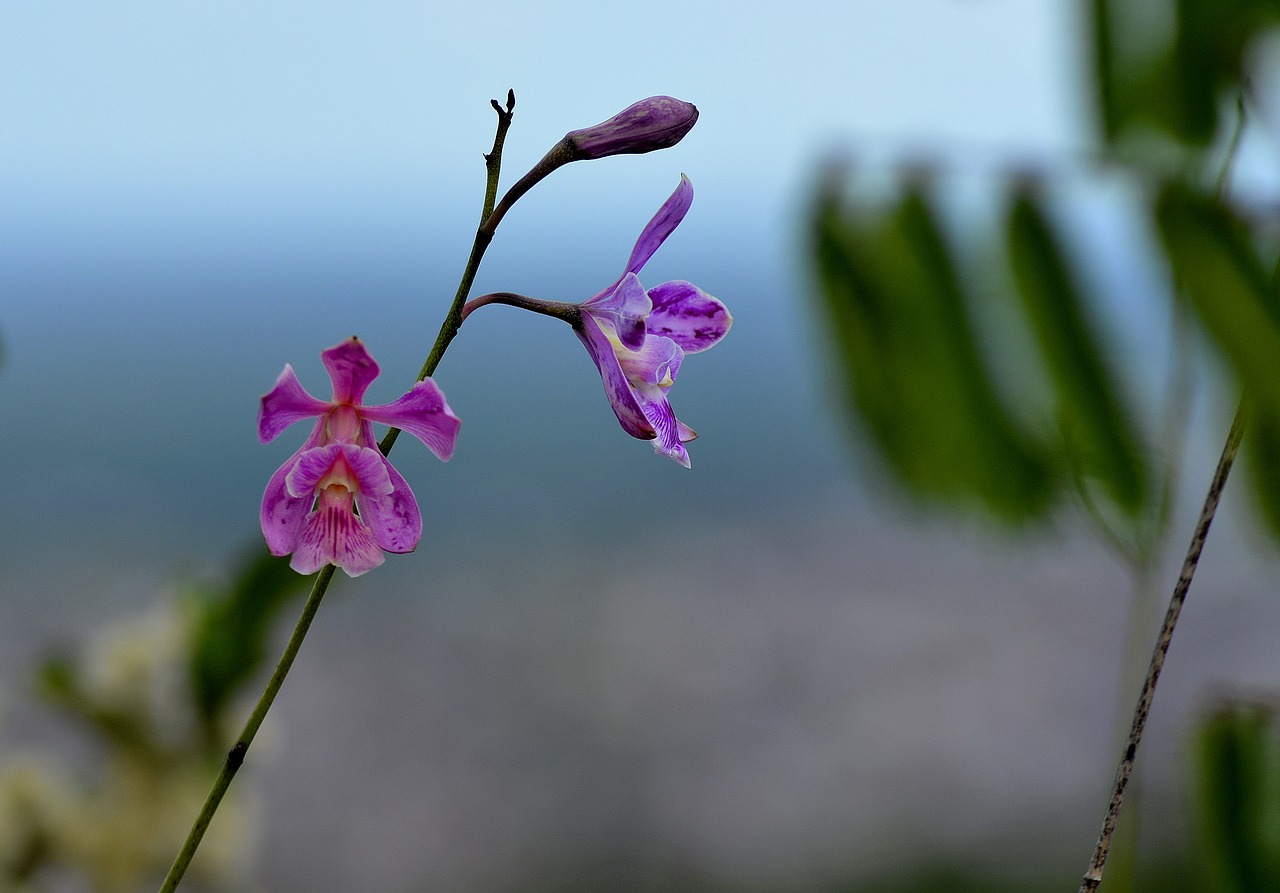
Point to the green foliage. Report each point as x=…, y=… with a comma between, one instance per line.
x=911, y=364
x=1098, y=436
x=1215, y=265
x=1178, y=86
x=232, y=628
x=915, y=367
x=1238, y=794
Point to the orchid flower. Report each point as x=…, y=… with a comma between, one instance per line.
x=337, y=500
x=638, y=338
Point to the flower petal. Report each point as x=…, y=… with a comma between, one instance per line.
x=351, y=369
x=359, y=469
x=286, y=403
x=668, y=442
x=662, y=225
x=624, y=306
x=393, y=518
x=653, y=366
x=687, y=315
x=616, y=386
x=422, y=412
x=334, y=535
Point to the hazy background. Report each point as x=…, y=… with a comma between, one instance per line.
x=760, y=672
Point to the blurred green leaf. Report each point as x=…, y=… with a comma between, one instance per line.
x=1214, y=263
x=910, y=365
x=1179, y=87
x=1238, y=794
x=1262, y=457
x=1098, y=434
x=232, y=629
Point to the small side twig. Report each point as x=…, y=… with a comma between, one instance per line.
x=1093, y=877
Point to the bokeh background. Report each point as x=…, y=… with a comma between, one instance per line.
x=599, y=670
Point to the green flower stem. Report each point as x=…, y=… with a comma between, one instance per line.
x=235, y=757
x=1093, y=876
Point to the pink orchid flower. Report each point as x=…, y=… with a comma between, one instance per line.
x=337, y=500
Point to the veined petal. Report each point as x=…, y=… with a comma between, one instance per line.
x=662, y=225
x=624, y=307
x=286, y=403
x=333, y=534
x=393, y=518
x=616, y=386
x=687, y=315
x=351, y=369
x=668, y=442
x=654, y=365
x=422, y=412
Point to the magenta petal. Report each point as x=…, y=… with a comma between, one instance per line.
x=662, y=225
x=616, y=386
x=351, y=369
x=286, y=403
x=624, y=307
x=422, y=412
x=394, y=517
x=687, y=315
x=334, y=535
x=282, y=513
x=365, y=467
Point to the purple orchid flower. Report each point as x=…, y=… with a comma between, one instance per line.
x=337, y=500
x=638, y=338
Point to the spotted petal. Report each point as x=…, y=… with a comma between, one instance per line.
x=282, y=513
x=662, y=225
x=286, y=403
x=687, y=315
x=351, y=369
x=394, y=518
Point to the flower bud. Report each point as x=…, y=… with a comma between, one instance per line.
x=658, y=122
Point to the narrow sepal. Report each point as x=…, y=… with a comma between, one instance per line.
x=285, y=404
x=351, y=369
x=662, y=225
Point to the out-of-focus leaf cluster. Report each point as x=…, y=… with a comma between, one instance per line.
x=926, y=376
x=153, y=696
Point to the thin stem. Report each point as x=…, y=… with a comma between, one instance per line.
x=235, y=757
x=570, y=313
x=1093, y=877
x=484, y=235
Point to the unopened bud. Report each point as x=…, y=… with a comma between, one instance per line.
x=658, y=122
